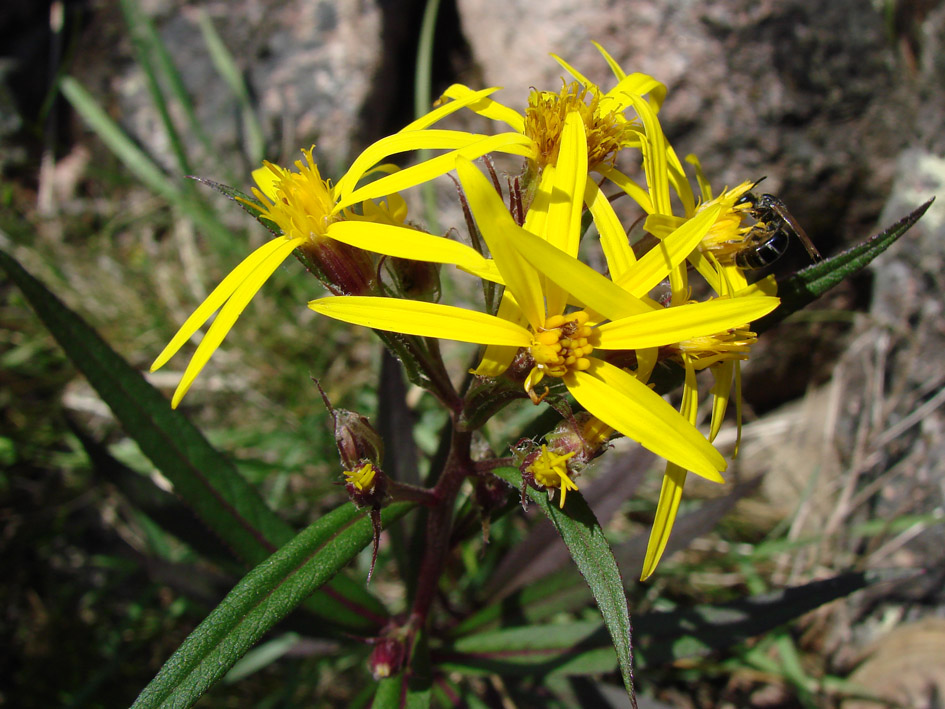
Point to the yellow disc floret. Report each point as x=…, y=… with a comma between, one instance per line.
x=550, y=470
x=726, y=237
x=362, y=479
x=607, y=131
x=733, y=344
x=302, y=201
x=563, y=344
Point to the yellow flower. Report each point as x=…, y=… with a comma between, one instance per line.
x=362, y=479
x=722, y=353
x=543, y=276
x=607, y=129
x=550, y=470
x=307, y=210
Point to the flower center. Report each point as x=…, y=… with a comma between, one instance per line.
x=563, y=345
x=607, y=131
x=734, y=344
x=550, y=470
x=726, y=237
x=362, y=478
x=303, y=200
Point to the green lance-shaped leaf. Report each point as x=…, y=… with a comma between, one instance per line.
x=805, y=286
x=667, y=636
x=568, y=648
x=591, y=553
x=260, y=600
x=206, y=480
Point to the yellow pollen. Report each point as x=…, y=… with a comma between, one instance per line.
x=303, y=201
x=362, y=478
x=607, y=131
x=551, y=471
x=563, y=345
x=726, y=237
x=734, y=344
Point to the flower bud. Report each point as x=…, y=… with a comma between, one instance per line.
x=416, y=280
x=366, y=486
x=343, y=269
x=356, y=439
x=387, y=657
x=581, y=433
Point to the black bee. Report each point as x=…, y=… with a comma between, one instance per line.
x=769, y=238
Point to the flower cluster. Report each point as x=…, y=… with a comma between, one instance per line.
x=560, y=326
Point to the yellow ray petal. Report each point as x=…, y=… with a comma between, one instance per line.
x=587, y=285
x=670, y=496
x=722, y=375
x=669, y=325
x=511, y=143
x=628, y=405
x=501, y=233
x=705, y=189
x=654, y=156
x=567, y=191
x=563, y=226
x=673, y=480
x=433, y=139
x=219, y=296
x=636, y=84
x=497, y=358
x=413, y=317
x=662, y=225
x=487, y=108
x=487, y=271
x=631, y=188
x=657, y=263
x=468, y=98
x=708, y=270
x=613, y=239
x=619, y=73
x=229, y=313
x=404, y=242
x=536, y=218
x=679, y=181
x=573, y=72
x=266, y=177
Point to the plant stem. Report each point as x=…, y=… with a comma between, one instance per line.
x=458, y=465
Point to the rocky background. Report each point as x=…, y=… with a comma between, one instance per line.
x=839, y=103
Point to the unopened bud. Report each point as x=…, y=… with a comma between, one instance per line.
x=356, y=439
x=582, y=434
x=387, y=657
x=416, y=280
x=343, y=269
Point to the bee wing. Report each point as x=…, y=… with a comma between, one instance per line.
x=778, y=206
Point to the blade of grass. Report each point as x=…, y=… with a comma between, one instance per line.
x=141, y=165
x=168, y=71
x=231, y=74
x=538, y=650
x=144, y=50
x=205, y=479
